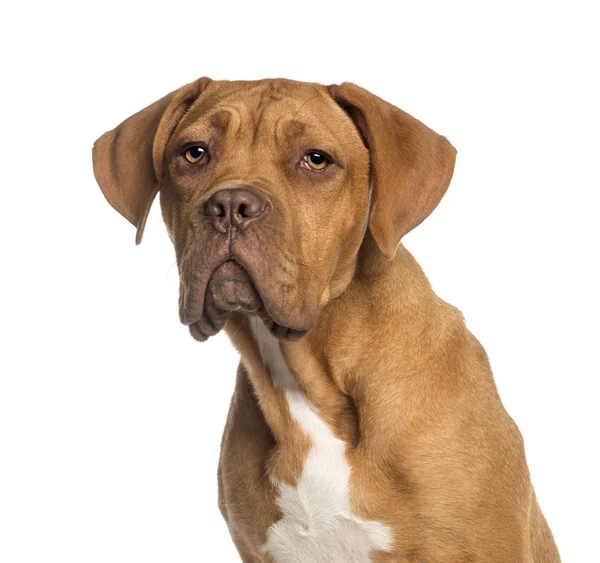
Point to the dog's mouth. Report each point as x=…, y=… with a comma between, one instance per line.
x=231, y=289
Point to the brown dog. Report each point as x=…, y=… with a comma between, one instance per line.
x=365, y=423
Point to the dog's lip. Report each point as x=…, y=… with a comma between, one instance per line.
x=214, y=318
x=202, y=331
x=284, y=332
x=232, y=289
x=231, y=270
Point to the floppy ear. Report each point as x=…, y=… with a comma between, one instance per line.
x=128, y=161
x=411, y=165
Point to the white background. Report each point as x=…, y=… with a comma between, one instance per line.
x=111, y=415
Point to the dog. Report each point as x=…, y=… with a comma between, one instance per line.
x=365, y=425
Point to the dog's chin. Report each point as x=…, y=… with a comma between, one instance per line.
x=231, y=290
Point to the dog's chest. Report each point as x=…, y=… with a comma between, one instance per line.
x=317, y=522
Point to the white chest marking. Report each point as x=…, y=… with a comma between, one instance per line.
x=317, y=524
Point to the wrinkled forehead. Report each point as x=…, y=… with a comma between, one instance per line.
x=279, y=109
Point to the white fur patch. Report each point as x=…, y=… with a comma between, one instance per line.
x=317, y=524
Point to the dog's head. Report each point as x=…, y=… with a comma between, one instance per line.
x=267, y=189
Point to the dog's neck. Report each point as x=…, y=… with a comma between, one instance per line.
x=350, y=380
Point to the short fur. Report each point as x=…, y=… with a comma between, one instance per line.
x=363, y=406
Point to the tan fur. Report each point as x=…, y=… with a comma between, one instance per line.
x=389, y=366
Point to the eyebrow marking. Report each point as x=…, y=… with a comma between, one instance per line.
x=287, y=128
x=266, y=98
x=220, y=120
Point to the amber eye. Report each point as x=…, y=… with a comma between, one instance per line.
x=315, y=161
x=195, y=154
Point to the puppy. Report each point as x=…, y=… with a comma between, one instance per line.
x=365, y=425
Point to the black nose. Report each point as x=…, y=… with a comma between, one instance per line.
x=235, y=208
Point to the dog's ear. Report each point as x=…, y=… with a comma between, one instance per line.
x=411, y=165
x=128, y=160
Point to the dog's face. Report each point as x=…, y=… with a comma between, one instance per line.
x=265, y=194
x=267, y=189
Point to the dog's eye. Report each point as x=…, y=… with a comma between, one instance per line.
x=315, y=161
x=195, y=154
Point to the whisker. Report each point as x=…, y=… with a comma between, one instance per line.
x=238, y=328
x=304, y=105
x=170, y=268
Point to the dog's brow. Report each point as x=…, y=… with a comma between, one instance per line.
x=290, y=128
x=226, y=117
x=217, y=123
x=220, y=120
x=306, y=133
x=285, y=128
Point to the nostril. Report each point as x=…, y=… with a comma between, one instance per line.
x=250, y=209
x=233, y=208
x=214, y=209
